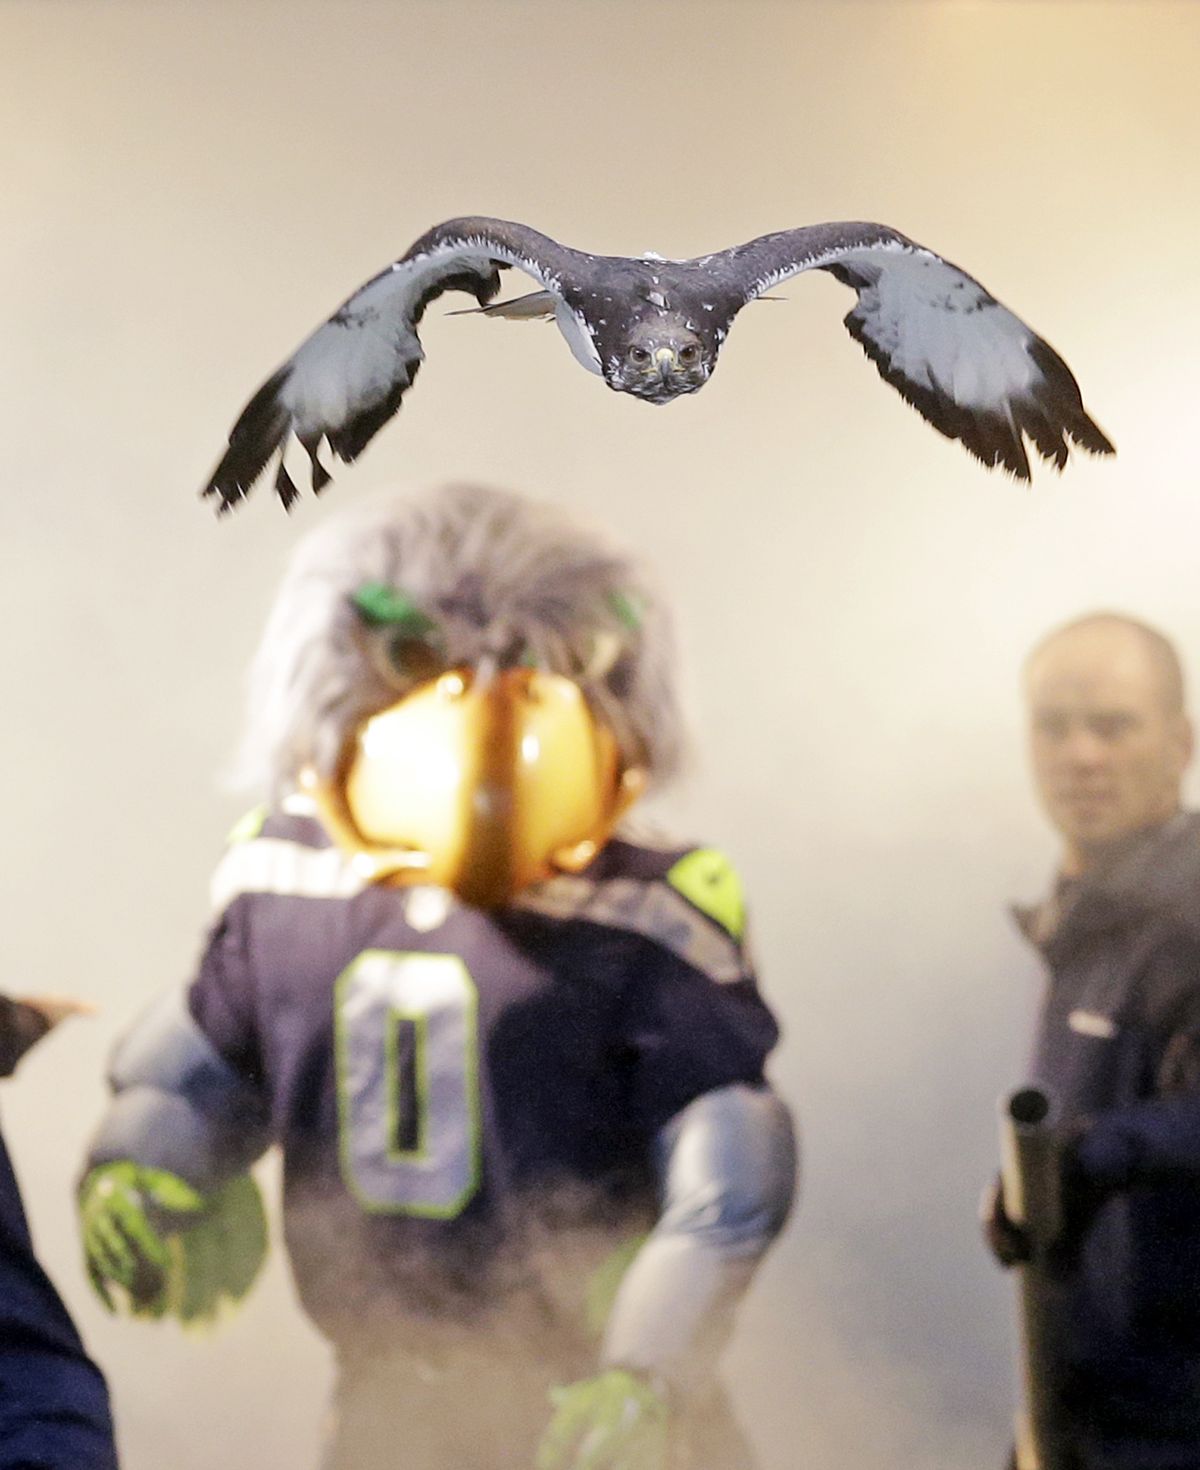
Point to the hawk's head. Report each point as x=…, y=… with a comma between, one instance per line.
x=663, y=357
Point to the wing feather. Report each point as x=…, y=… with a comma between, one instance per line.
x=966, y=363
x=346, y=380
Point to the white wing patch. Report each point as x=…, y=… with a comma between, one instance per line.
x=941, y=330
x=356, y=357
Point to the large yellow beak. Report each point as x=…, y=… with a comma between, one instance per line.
x=481, y=788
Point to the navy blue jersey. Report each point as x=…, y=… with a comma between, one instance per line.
x=452, y=1087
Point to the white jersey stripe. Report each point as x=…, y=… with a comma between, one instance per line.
x=289, y=869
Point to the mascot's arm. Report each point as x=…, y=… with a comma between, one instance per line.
x=168, y=1213
x=727, y=1176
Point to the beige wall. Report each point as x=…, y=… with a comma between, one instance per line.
x=186, y=189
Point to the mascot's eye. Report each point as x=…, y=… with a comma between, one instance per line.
x=620, y=677
x=639, y=355
x=689, y=354
x=606, y=648
x=416, y=660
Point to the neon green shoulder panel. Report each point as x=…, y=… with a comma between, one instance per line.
x=707, y=879
x=246, y=828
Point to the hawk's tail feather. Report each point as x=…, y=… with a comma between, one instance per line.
x=1032, y=420
x=260, y=430
x=537, y=306
x=285, y=486
x=1068, y=400
x=320, y=476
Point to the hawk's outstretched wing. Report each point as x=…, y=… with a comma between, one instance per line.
x=344, y=382
x=971, y=367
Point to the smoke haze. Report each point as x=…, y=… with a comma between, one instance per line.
x=188, y=189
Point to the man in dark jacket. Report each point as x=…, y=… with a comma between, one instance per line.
x=54, y=1412
x=1118, y=1044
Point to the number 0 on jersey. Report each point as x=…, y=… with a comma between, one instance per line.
x=408, y=1082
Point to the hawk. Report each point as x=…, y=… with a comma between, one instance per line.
x=653, y=328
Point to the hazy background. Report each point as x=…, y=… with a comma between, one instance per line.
x=185, y=190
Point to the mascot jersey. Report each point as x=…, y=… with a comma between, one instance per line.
x=463, y=1098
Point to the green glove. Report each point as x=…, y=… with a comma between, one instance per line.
x=166, y=1247
x=126, y=1214
x=222, y=1253
x=613, y=1421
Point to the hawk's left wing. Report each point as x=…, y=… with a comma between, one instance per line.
x=974, y=370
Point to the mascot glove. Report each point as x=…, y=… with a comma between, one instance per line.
x=169, y=1249
x=126, y=1214
x=616, y=1420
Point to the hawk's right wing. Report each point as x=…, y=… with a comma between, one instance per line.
x=343, y=383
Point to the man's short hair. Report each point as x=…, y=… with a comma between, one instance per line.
x=1159, y=648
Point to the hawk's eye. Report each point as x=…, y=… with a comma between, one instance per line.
x=415, y=660
x=689, y=354
x=639, y=355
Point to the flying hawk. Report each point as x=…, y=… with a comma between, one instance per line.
x=654, y=327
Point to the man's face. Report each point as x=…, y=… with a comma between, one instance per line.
x=1107, y=748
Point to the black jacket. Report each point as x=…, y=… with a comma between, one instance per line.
x=54, y=1410
x=1119, y=1047
x=20, y=1026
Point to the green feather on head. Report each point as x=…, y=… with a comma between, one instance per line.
x=382, y=606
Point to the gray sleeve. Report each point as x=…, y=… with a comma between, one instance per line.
x=727, y=1167
x=177, y=1103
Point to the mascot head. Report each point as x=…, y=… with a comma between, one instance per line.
x=472, y=687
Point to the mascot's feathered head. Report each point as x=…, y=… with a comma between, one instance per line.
x=378, y=600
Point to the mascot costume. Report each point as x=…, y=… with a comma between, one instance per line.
x=512, y=1055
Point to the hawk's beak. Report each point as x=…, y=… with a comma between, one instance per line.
x=667, y=361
